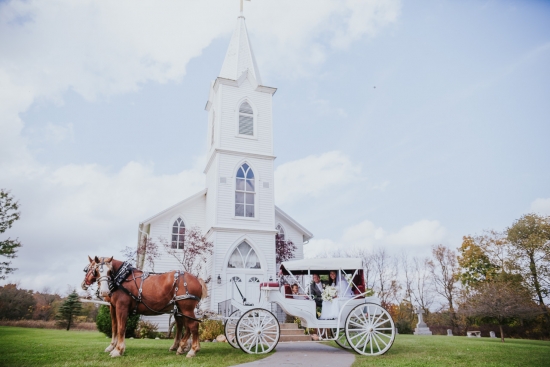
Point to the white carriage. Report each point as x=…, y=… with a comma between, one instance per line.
x=362, y=324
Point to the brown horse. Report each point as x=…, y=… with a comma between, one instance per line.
x=148, y=295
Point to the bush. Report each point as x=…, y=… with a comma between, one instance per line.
x=103, y=322
x=146, y=329
x=209, y=329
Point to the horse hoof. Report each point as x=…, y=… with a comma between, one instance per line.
x=115, y=353
x=109, y=348
x=190, y=355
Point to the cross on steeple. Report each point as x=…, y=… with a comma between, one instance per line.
x=242, y=6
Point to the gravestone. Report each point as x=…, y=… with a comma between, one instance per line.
x=421, y=327
x=449, y=332
x=492, y=334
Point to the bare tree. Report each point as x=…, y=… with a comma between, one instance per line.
x=368, y=265
x=386, y=271
x=500, y=302
x=194, y=254
x=146, y=253
x=444, y=272
x=421, y=289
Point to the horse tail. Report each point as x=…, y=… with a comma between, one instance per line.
x=204, y=289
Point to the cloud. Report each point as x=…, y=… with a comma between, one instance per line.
x=541, y=206
x=419, y=236
x=313, y=176
x=79, y=210
x=99, y=49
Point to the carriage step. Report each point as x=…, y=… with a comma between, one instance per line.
x=289, y=325
x=290, y=332
x=295, y=338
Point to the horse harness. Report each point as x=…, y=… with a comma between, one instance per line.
x=115, y=282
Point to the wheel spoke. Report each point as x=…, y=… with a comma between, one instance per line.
x=358, y=334
x=379, y=333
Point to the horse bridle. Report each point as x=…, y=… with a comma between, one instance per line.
x=94, y=267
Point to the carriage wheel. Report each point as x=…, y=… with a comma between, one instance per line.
x=340, y=339
x=258, y=331
x=230, y=326
x=370, y=330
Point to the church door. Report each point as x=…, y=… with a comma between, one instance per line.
x=244, y=273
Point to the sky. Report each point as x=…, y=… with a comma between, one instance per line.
x=397, y=125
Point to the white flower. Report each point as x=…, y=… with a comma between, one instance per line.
x=329, y=293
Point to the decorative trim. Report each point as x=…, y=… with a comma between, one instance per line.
x=297, y=225
x=240, y=230
x=237, y=153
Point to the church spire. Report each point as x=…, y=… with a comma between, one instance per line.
x=239, y=57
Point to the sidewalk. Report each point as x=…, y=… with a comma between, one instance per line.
x=305, y=354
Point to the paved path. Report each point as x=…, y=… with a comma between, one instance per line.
x=305, y=354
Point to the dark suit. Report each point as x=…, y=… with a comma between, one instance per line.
x=316, y=293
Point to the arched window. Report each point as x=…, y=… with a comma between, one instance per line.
x=244, y=192
x=253, y=280
x=244, y=257
x=236, y=280
x=246, y=119
x=213, y=124
x=178, y=234
x=280, y=232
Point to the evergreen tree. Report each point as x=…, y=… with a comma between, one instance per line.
x=8, y=247
x=71, y=307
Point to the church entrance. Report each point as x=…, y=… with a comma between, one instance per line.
x=246, y=284
x=244, y=273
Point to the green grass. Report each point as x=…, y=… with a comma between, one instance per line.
x=46, y=347
x=411, y=350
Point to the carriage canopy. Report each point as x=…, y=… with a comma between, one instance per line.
x=321, y=266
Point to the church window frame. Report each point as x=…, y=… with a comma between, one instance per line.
x=280, y=231
x=246, y=114
x=244, y=258
x=245, y=192
x=178, y=234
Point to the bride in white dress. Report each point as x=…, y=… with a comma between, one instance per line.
x=331, y=309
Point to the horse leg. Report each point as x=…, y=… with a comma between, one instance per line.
x=122, y=318
x=194, y=326
x=112, y=346
x=177, y=337
x=184, y=345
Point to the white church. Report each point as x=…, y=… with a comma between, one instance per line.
x=236, y=210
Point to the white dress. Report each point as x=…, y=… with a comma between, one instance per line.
x=331, y=309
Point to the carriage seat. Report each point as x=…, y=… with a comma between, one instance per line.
x=359, y=289
x=269, y=285
x=288, y=291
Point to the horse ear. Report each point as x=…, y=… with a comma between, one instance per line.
x=111, y=259
x=97, y=260
x=89, y=258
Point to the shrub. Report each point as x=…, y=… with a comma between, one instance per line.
x=103, y=322
x=209, y=329
x=146, y=329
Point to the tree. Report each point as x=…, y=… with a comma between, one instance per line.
x=194, y=254
x=16, y=304
x=529, y=238
x=421, y=285
x=71, y=307
x=386, y=271
x=475, y=263
x=8, y=215
x=500, y=302
x=284, y=250
x=445, y=272
x=146, y=253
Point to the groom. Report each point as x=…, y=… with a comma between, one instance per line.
x=316, y=290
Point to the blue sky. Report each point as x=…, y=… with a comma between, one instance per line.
x=396, y=124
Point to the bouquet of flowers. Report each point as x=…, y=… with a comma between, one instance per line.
x=329, y=293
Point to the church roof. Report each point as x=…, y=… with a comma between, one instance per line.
x=307, y=234
x=189, y=199
x=239, y=57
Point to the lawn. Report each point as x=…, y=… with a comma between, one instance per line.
x=46, y=347
x=412, y=350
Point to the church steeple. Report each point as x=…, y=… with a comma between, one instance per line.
x=239, y=57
